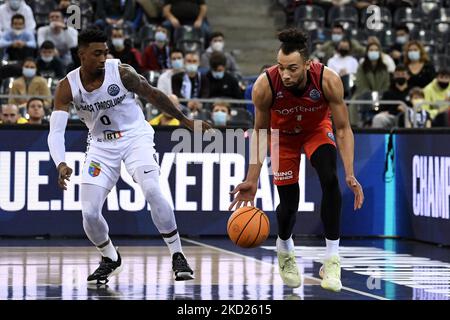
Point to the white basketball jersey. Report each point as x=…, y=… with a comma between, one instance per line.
x=110, y=112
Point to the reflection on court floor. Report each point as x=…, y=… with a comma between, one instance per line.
x=223, y=272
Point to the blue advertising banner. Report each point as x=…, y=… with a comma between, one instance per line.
x=423, y=185
x=196, y=183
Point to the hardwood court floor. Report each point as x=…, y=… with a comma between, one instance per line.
x=371, y=269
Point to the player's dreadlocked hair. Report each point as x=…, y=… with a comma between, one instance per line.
x=91, y=35
x=294, y=40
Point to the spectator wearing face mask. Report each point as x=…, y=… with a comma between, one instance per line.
x=63, y=37
x=328, y=49
x=437, y=90
x=217, y=44
x=420, y=118
x=191, y=84
x=13, y=7
x=29, y=84
x=343, y=62
x=220, y=114
x=18, y=42
x=372, y=74
x=156, y=55
x=222, y=83
x=418, y=64
x=386, y=118
x=35, y=111
x=401, y=38
x=120, y=48
x=387, y=60
x=48, y=65
x=176, y=66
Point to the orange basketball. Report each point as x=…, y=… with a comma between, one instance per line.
x=248, y=227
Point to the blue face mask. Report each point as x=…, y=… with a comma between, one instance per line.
x=373, y=55
x=336, y=37
x=402, y=39
x=177, y=63
x=160, y=36
x=414, y=55
x=219, y=118
x=218, y=74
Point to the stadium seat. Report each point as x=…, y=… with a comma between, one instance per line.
x=187, y=38
x=240, y=117
x=429, y=6
x=146, y=35
x=441, y=61
x=309, y=17
x=346, y=15
x=411, y=17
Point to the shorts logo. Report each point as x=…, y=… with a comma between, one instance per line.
x=286, y=175
x=331, y=136
x=314, y=94
x=94, y=169
x=113, y=90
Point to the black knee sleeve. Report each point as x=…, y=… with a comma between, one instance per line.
x=287, y=209
x=324, y=161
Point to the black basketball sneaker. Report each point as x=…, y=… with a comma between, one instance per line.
x=181, y=268
x=106, y=269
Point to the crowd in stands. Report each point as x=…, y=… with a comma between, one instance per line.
x=403, y=57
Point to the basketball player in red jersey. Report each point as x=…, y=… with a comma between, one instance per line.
x=294, y=101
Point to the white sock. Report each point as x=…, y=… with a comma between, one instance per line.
x=332, y=248
x=174, y=243
x=285, y=246
x=109, y=251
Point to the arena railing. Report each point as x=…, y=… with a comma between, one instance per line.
x=374, y=103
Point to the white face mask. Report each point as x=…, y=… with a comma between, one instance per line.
x=47, y=59
x=218, y=45
x=15, y=4
x=17, y=32
x=28, y=72
x=118, y=42
x=191, y=67
x=160, y=36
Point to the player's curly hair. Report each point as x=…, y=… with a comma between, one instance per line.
x=91, y=35
x=292, y=40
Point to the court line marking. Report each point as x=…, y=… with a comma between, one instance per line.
x=273, y=266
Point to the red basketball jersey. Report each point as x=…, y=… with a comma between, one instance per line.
x=303, y=111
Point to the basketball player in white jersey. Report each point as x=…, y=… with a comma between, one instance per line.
x=103, y=94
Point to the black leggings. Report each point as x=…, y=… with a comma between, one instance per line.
x=324, y=161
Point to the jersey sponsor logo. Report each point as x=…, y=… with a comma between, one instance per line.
x=314, y=94
x=94, y=169
x=112, y=135
x=331, y=136
x=296, y=109
x=113, y=90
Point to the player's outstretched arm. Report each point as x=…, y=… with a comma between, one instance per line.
x=334, y=92
x=138, y=84
x=262, y=99
x=58, y=123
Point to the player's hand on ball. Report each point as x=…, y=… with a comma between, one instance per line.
x=357, y=190
x=245, y=193
x=64, y=173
